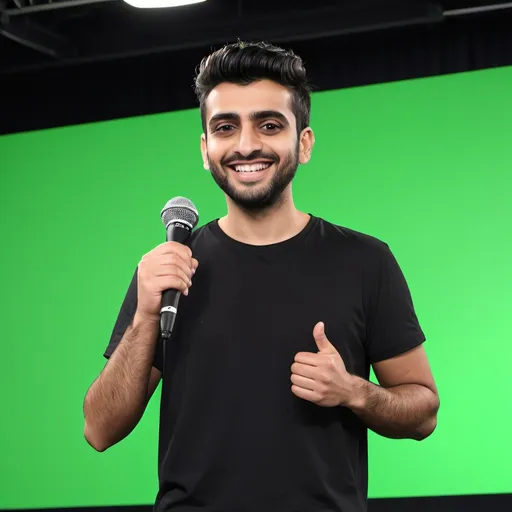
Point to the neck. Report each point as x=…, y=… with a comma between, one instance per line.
x=264, y=227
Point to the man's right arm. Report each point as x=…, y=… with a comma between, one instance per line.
x=117, y=399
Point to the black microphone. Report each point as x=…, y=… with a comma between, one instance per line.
x=179, y=217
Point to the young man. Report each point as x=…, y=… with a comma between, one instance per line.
x=265, y=400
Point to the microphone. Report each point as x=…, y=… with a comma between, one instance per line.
x=179, y=217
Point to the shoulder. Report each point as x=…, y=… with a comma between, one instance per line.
x=363, y=244
x=203, y=238
x=200, y=232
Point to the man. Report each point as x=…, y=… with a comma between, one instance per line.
x=265, y=399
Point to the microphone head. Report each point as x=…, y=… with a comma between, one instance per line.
x=180, y=209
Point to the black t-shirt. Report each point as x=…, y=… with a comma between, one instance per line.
x=233, y=436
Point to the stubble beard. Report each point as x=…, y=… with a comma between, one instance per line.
x=255, y=198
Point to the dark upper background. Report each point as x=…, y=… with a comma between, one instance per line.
x=102, y=59
x=105, y=60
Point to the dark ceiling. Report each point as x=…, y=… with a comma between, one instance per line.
x=42, y=33
x=56, y=56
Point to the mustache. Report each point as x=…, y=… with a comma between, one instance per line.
x=256, y=155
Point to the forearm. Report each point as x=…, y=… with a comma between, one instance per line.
x=405, y=411
x=117, y=399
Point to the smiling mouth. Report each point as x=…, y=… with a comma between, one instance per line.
x=250, y=167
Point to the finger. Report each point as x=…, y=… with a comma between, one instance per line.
x=323, y=344
x=176, y=259
x=175, y=247
x=307, y=358
x=175, y=270
x=306, y=394
x=305, y=370
x=171, y=283
x=195, y=264
x=303, y=382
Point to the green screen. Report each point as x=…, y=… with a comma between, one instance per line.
x=425, y=165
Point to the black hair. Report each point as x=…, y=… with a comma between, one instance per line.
x=244, y=63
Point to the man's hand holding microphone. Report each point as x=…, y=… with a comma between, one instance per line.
x=168, y=266
x=116, y=400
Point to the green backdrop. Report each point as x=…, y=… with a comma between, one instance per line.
x=425, y=165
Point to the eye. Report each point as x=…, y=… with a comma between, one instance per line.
x=270, y=127
x=224, y=128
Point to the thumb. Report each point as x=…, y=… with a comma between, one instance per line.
x=323, y=344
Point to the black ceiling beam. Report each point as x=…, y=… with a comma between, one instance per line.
x=34, y=36
x=52, y=6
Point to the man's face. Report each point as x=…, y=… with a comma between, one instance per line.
x=252, y=148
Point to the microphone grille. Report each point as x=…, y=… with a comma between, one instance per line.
x=180, y=208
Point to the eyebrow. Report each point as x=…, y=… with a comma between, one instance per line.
x=253, y=116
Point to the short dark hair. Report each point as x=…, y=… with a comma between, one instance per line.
x=244, y=63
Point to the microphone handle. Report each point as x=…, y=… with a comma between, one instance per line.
x=176, y=232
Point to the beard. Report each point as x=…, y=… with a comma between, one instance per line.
x=254, y=197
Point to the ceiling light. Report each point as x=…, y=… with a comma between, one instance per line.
x=154, y=4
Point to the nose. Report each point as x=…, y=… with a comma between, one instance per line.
x=248, y=141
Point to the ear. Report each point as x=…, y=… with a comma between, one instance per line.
x=306, y=143
x=204, y=152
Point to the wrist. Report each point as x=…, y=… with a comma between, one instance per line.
x=358, y=399
x=141, y=317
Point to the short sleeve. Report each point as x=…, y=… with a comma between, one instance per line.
x=393, y=326
x=123, y=321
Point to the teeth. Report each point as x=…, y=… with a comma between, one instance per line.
x=251, y=168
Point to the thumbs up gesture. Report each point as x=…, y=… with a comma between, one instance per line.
x=321, y=377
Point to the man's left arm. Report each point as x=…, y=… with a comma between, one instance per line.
x=406, y=402
x=404, y=405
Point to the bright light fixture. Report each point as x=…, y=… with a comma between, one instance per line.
x=155, y=4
